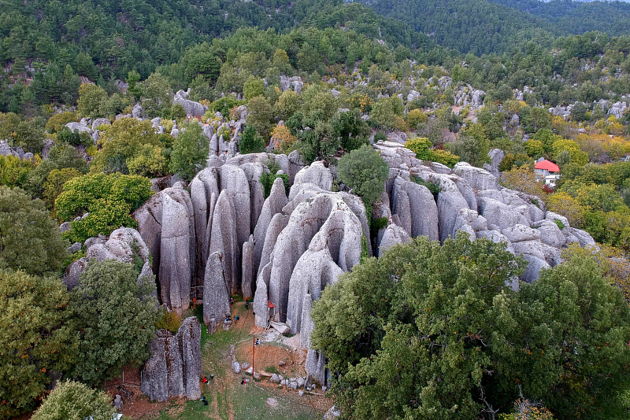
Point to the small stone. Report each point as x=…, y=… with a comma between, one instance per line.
x=245, y=365
x=275, y=378
x=300, y=382
x=236, y=367
x=300, y=393
x=272, y=402
x=257, y=376
x=282, y=363
x=293, y=384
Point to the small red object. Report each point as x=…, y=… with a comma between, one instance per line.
x=270, y=305
x=204, y=380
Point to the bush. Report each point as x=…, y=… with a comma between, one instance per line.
x=91, y=100
x=74, y=138
x=35, y=338
x=122, y=142
x=268, y=178
x=149, y=162
x=427, y=328
x=116, y=313
x=74, y=400
x=190, y=151
x=58, y=121
x=109, y=198
x=55, y=181
x=421, y=146
x=29, y=238
x=251, y=141
x=365, y=172
x=168, y=320
x=14, y=171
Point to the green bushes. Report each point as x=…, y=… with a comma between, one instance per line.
x=364, y=172
x=29, y=238
x=190, y=152
x=74, y=400
x=422, y=147
x=108, y=198
x=115, y=314
x=251, y=141
x=36, y=338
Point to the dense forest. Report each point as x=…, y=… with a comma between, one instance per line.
x=168, y=164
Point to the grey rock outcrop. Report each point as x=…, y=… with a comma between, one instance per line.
x=174, y=366
x=124, y=245
x=470, y=200
x=192, y=108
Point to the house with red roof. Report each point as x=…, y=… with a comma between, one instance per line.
x=547, y=171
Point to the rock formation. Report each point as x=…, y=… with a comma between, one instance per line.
x=124, y=244
x=471, y=200
x=224, y=237
x=174, y=367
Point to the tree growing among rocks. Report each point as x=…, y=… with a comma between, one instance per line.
x=364, y=171
x=29, y=238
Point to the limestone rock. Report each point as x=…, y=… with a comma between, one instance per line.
x=174, y=366
x=216, y=292
x=192, y=108
x=392, y=236
x=175, y=268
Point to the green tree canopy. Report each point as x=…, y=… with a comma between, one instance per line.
x=36, y=339
x=430, y=331
x=115, y=314
x=365, y=172
x=190, y=151
x=74, y=400
x=29, y=238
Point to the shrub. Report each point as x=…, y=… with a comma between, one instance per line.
x=268, y=178
x=168, y=320
x=55, y=181
x=365, y=172
x=74, y=138
x=251, y=141
x=108, y=198
x=58, y=121
x=115, y=314
x=29, y=238
x=35, y=338
x=14, y=171
x=190, y=151
x=74, y=400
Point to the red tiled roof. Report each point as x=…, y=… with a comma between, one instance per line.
x=547, y=165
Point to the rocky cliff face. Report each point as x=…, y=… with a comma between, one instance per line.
x=221, y=236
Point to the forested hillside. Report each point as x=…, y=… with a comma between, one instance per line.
x=259, y=209
x=494, y=26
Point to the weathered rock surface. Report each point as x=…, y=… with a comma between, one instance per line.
x=124, y=245
x=192, y=108
x=470, y=200
x=174, y=366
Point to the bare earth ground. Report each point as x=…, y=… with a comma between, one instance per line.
x=228, y=399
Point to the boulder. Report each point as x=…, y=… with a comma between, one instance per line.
x=192, y=108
